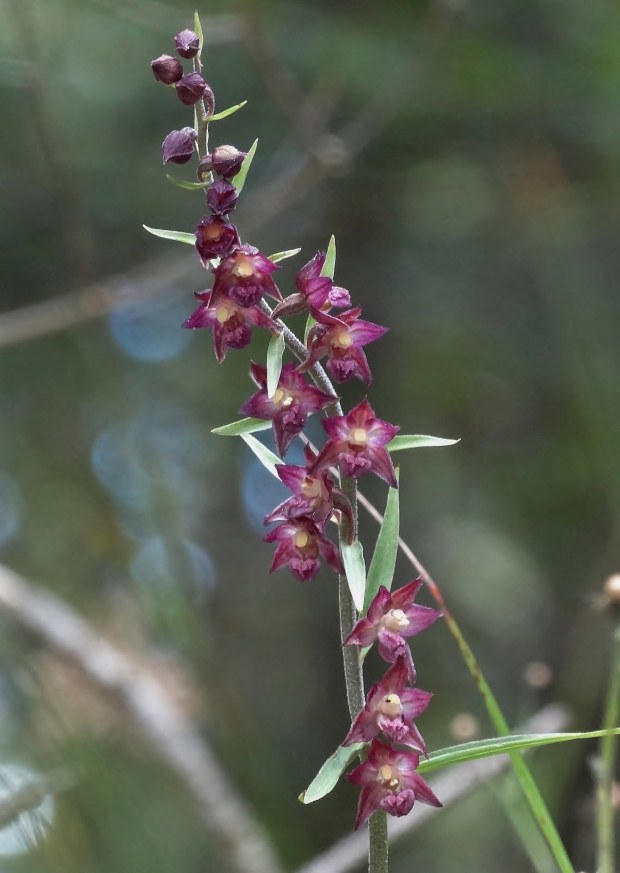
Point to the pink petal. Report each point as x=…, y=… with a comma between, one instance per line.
x=382, y=464
x=404, y=596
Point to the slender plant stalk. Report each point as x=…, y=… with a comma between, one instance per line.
x=608, y=752
x=535, y=800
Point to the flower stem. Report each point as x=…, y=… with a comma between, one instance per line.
x=608, y=750
x=378, y=843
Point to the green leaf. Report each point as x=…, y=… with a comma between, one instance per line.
x=331, y=771
x=189, y=186
x=275, y=350
x=264, y=455
x=355, y=570
x=243, y=425
x=280, y=256
x=198, y=31
x=501, y=745
x=239, y=180
x=176, y=235
x=381, y=570
x=309, y=325
x=417, y=441
x=329, y=267
x=226, y=112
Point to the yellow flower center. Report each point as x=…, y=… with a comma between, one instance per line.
x=243, y=268
x=311, y=487
x=391, y=706
x=395, y=620
x=301, y=539
x=224, y=311
x=343, y=339
x=213, y=231
x=359, y=436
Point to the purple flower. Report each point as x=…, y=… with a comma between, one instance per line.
x=342, y=343
x=222, y=197
x=231, y=324
x=215, y=237
x=187, y=43
x=357, y=442
x=226, y=160
x=314, y=496
x=389, y=782
x=178, y=146
x=293, y=401
x=245, y=276
x=392, y=708
x=300, y=545
x=167, y=69
x=315, y=292
x=190, y=88
x=391, y=618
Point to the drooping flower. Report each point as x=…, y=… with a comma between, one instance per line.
x=187, y=43
x=300, y=546
x=342, y=343
x=314, y=496
x=389, y=781
x=244, y=276
x=231, y=324
x=190, y=88
x=215, y=237
x=391, y=618
x=178, y=146
x=293, y=401
x=222, y=197
x=357, y=442
x=226, y=160
x=315, y=293
x=392, y=708
x=167, y=69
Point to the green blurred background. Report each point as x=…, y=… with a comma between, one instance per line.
x=467, y=157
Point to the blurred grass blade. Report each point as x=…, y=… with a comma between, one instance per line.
x=226, y=112
x=381, y=570
x=264, y=455
x=175, y=235
x=501, y=745
x=243, y=425
x=329, y=267
x=281, y=256
x=329, y=774
x=417, y=441
x=189, y=186
x=239, y=180
x=275, y=350
x=355, y=571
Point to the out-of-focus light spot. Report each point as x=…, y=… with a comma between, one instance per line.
x=159, y=564
x=464, y=727
x=10, y=508
x=537, y=674
x=28, y=829
x=260, y=491
x=151, y=331
x=157, y=452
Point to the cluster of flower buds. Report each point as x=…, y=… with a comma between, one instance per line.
x=234, y=305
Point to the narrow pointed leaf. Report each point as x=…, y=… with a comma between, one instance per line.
x=331, y=771
x=189, y=186
x=275, y=351
x=381, y=570
x=281, y=256
x=239, y=180
x=226, y=112
x=243, y=425
x=264, y=455
x=502, y=745
x=198, y=31
x=355, y=570
x=309, y=325
x=417, y=441
x=329, y=267
x=176, y=235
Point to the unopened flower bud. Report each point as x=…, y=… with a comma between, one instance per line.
x=167, y=69
x=190, y=88
x=187, y=43
x=178, y=147
x=222, y=197
x=226, y=160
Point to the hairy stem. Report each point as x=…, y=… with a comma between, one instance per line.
x=608, y=751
